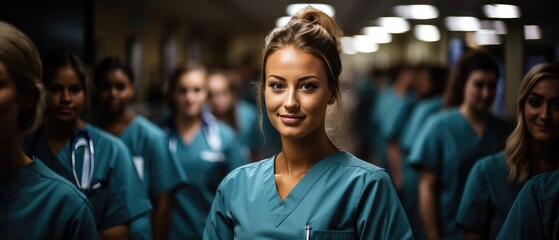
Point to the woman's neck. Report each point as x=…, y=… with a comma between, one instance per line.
x=229, y=117
x=116, y=123
x=62, y=131
x=543, y=157
x=12, y=155
x=187, y=126
x=300, y=155
x=476, y=119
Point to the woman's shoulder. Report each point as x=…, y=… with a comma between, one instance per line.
x=356, y=167
x=56, y=186
x=249, y=171
x=105, y=140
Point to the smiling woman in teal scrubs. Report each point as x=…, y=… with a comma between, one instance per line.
x=454, y=139
x=205, y=148
x=160, y=174
x=311, y=189
x=97, y=163
x=35, y=203
x=531, y=149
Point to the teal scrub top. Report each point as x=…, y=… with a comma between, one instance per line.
x=389, y=115
x=408, y=192
x=157, y=168
x=535, y=212
x=117, y=194
x=36, y=203
x=449, y=147
x=246, y=115
x=340, y=197
x=488, y=196
x=206, y=165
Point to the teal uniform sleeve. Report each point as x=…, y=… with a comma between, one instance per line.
x=525, y=219
x=235, y=157
x=424, y=154
x=219, y=224
x=380, y=213
x=83, y=225
x=474, y=211
x=166, y=173
x=127, y=199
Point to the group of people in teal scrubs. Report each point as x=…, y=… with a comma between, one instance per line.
x=124, y=177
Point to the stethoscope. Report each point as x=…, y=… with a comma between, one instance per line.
x=81, y=138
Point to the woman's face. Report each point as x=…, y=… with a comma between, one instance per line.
x=9, y=104
x=116, y=91
x=296, y=92
x=479, y=91
x=541, y=110
x=190, y=94
x=222, y=99
x=65, y=96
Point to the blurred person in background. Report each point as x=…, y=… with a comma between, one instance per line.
x=159, y=171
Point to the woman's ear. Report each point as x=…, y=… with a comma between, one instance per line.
x=332, y=98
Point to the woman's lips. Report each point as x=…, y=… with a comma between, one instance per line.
x=291, y=120
x=66, y=110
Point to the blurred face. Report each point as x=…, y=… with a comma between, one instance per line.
x=65, y=96
x=296, y=92
x=480, y=89
x=222, y=99
x=9, y=103
x=190, y=94
x=116, y=91
x=541, y=110
x=423, y=83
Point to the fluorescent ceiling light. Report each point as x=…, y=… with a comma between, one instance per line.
x=487, y=37
x=532, y=32
x=348, y=45
x=498, y=27
x=501, y=11
x=419, y=11
x=462, y=24
x=364, y=44
x=292, y=9
x=282, y=21
x=427, y=33
x=378, y=34
x=394, y=24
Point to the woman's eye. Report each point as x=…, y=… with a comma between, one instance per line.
x=120, y=87
x=307, y=87
x=276, y=86
x=555, y=106
x=75, y=89
x=54, y=89
x=534, y=102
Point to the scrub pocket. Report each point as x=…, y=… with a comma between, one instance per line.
x=97, y=196
x=329, y=235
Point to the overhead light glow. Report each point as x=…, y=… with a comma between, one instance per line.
x=282, y=21
x=532, y=32
x=292, y=9
x=501, y=11
x=468, y=24
x=498, y=27
x=487, y=37
x=418, y=11
x=364, y=44
x=378, y=34
x=394, y=24
x=348, y=45
x=427, y=33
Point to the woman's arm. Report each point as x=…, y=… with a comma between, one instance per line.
x=427, y=204
x=161, y=218
x=116, y=233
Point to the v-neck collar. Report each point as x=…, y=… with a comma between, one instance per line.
x=282, y=209
x=470, y=128
x=127, y=130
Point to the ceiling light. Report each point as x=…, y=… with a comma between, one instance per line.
x=378, y=34
x=348, y=45
x=532, y=32
x=282, y=21
x=462, y=24
x=364, y=44
x=501, y=11
x=487, y=37
x=427, y=33
x=394, y=24
x=292, y=9
x=419, y=11
x=498, y=27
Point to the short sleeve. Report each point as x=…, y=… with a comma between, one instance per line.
x=381, y=215
x=166, y=175
x=424, y=154
x=475, y=206
x=525, y=219
x=219, y=224
x=83, y=225
x=127, y=200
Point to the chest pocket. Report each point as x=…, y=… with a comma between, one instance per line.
x=97, y=196
x=330, y=235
